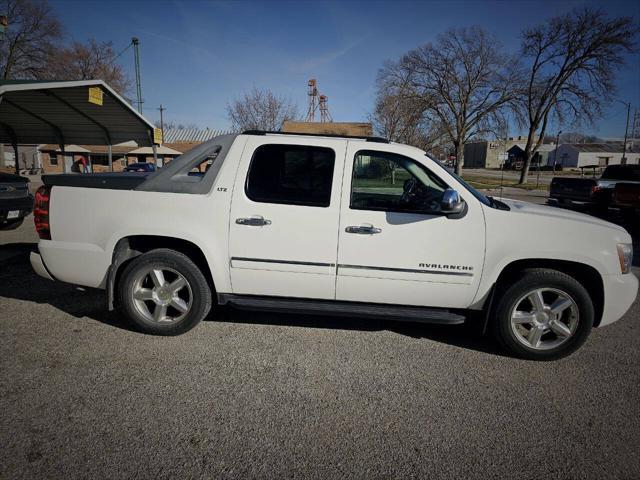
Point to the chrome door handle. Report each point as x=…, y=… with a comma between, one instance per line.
x=253, y=221
x=364, y=229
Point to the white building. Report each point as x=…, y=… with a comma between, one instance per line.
x=579, y=155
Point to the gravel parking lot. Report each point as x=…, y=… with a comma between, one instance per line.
x=251, y=395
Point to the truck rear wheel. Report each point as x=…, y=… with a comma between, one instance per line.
x=163, y=292
x=544, y=315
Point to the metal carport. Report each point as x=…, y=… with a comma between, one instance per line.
x=69, y=112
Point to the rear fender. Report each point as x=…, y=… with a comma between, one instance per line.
x=121, y=253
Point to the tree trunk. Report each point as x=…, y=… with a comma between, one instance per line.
x=459, y=146
x=525, y=168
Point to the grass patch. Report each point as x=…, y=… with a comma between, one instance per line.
x=477, y=181
x=485, y=183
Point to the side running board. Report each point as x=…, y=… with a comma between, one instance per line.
x=337, y=308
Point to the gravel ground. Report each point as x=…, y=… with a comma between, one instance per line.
x=250, y=395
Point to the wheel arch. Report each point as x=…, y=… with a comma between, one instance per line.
x=132, y=246
x=585, y=274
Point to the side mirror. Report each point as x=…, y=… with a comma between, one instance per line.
x=451, y=204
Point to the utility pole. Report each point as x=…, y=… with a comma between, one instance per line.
x=555, y=154
x=633, y=130
x=626, y=131
x=136, y=43
x=162, y=109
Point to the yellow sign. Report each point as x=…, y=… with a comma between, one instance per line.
x=157, y=136
x=95, y=95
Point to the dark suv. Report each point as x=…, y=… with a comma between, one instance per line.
x=15, y=200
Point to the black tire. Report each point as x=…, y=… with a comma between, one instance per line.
x=11, y=225
x=530, y=280
x=199, y=291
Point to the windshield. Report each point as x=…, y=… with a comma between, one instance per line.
x=480, y=196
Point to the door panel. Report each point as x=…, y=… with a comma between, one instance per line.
x=284, y=229
x=416, y=256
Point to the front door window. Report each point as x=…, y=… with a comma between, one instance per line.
x=393, y=183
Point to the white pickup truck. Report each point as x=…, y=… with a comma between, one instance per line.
x=332, y=225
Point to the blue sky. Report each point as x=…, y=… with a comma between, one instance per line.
x=197, y=55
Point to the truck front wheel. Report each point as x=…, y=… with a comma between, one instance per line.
x=163, y=292
x=544, y=315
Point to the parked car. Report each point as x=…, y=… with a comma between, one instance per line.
x=626, y=197
x=592, y=193
x=15, y=200
x=140, y=167
x=333, y=225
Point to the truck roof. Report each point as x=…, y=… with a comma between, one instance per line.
x=179, y=176
x=326, y=135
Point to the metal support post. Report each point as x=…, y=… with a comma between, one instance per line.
x=15, y=153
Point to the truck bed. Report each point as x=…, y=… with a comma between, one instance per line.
x=627, y=195
x=110, y=181
x=567, y=190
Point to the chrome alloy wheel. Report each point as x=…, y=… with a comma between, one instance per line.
x=162, y=295
x=544, y=318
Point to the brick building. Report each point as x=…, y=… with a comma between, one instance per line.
x=96, y=157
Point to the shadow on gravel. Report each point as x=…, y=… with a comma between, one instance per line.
x=464, y=336
x=19, y=281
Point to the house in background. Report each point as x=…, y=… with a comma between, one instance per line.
x=184, y=139
x=28, y=158
x=177, y=142
x=516, y=156
x=488, y=154
x=578, y=155
x=96, y=157
x=358, y=129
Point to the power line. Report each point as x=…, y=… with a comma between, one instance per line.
x=120, y=54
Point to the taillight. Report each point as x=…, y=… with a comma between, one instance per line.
x=41, y=212
x=595, y=188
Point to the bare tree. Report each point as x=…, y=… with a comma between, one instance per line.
x=401, y=119
x=88, y=61
x=574, y=59
x=462, y=82
x=579, y=137
x=31, y=37
x=171, y=125
x=260, y=110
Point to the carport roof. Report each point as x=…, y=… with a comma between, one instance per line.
x=36, y=112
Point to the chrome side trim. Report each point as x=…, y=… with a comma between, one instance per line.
x=286, y=262
x=405, y=270
x=357, y=267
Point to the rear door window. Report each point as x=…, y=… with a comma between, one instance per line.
x=291, y=174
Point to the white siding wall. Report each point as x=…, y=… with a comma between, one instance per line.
x=569, y=157
x=593, y=158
